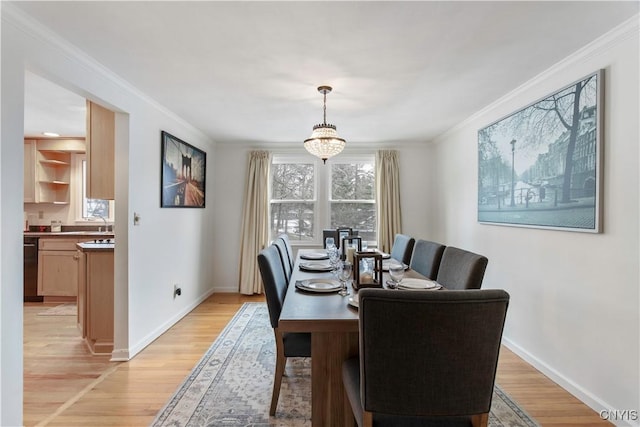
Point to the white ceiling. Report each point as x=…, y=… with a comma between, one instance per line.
x=248, y=71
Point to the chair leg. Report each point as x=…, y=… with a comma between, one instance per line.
x=281, y=361
x=480, y=420
x=367, y=419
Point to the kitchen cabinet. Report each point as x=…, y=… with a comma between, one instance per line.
x=95, y=297
x=100, y=152
x=58, y=269
x=47, y=169
x=29, y=171
x=54, y=177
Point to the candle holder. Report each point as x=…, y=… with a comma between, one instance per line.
x=367, y=270
x=351, y=245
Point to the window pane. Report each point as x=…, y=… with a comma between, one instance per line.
x=292, y=182
x=295, y=219
x=359, y=216
x=92, y=207
x=354, y=181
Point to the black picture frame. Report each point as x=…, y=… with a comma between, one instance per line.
x=541, y=166
x=183, y=174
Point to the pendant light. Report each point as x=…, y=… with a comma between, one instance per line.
x=324, y=141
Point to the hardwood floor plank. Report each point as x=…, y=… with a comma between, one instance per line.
x=64, y=385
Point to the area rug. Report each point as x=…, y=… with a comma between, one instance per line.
x=232, y=384
x=69, y=309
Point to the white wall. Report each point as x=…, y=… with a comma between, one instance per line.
x=574, y=296
x=170, y=246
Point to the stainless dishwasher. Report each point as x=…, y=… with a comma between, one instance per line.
x=31, y=270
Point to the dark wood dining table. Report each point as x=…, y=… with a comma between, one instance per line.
x=333, y=325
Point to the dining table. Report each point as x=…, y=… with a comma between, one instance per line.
x=332, y=321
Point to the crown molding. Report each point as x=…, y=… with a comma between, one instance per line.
x=25, y=23
x=628, y=29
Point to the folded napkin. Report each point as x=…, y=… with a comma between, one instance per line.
x=411, y=283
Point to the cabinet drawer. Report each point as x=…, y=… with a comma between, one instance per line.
x=58, y=244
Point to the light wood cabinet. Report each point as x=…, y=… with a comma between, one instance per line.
x=54, y=177
x=29, y=171
x=58, y=268
x=95, y=300
x=100, y=152
x=47, y=169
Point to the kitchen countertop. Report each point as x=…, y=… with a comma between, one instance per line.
x=96, y=247
x=90, y=234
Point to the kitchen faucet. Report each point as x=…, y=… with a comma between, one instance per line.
x=106, y=227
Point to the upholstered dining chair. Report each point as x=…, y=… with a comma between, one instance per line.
x=461, y=269
x=442, y=374
x=287, y=344
x=402, y=248
x=284, y=257
x=287, y=245
x=426, y=258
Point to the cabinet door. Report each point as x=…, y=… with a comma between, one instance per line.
x=100, y=152
x=29, y=171
x=57, y=273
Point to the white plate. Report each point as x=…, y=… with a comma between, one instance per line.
x=410, y=283
x=315, y=266
x=385, y=265
x=319, y=285
x=353, y=301
x=314, y=255
x=384, y=255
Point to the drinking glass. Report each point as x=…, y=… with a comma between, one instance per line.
x=396, y=271
x=334, y=259
x=345, y=275
x=365, y=246
x=329, y=243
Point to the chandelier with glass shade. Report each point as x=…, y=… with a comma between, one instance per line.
x=324, y=141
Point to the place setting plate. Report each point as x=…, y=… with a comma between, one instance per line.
x=353, y=301
x=314, y=256
x=418, y=284
x=315, y=266
x=386, y=262
x=319, y=285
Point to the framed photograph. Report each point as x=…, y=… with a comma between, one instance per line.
x=541, y=166
x=183, y=173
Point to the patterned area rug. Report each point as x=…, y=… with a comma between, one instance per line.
x=232, y=383
x=69, y=309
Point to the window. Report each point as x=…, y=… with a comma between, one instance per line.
x=352, y=198
x=307, y=196
x=92, y=208
x=88, y=209
x=293, y=200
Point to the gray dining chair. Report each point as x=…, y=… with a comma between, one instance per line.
x=288, y=344
x=284, y=257
x=439, y=375
x=426, y=258
x=402, y=248
x=461, y=269
x=287, y=244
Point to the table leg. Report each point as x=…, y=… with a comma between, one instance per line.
x=328, y=351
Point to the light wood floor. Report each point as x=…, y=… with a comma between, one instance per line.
x=65, y=386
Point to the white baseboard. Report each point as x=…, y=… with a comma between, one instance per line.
x=592, y=401
x=139, y=346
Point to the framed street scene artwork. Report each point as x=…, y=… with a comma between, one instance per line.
x=541, y=166
x=183, y=174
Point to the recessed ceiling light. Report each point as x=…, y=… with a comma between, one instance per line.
x=50, y=134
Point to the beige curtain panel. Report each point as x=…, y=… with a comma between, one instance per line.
x=388, y=198
x=255, y=221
